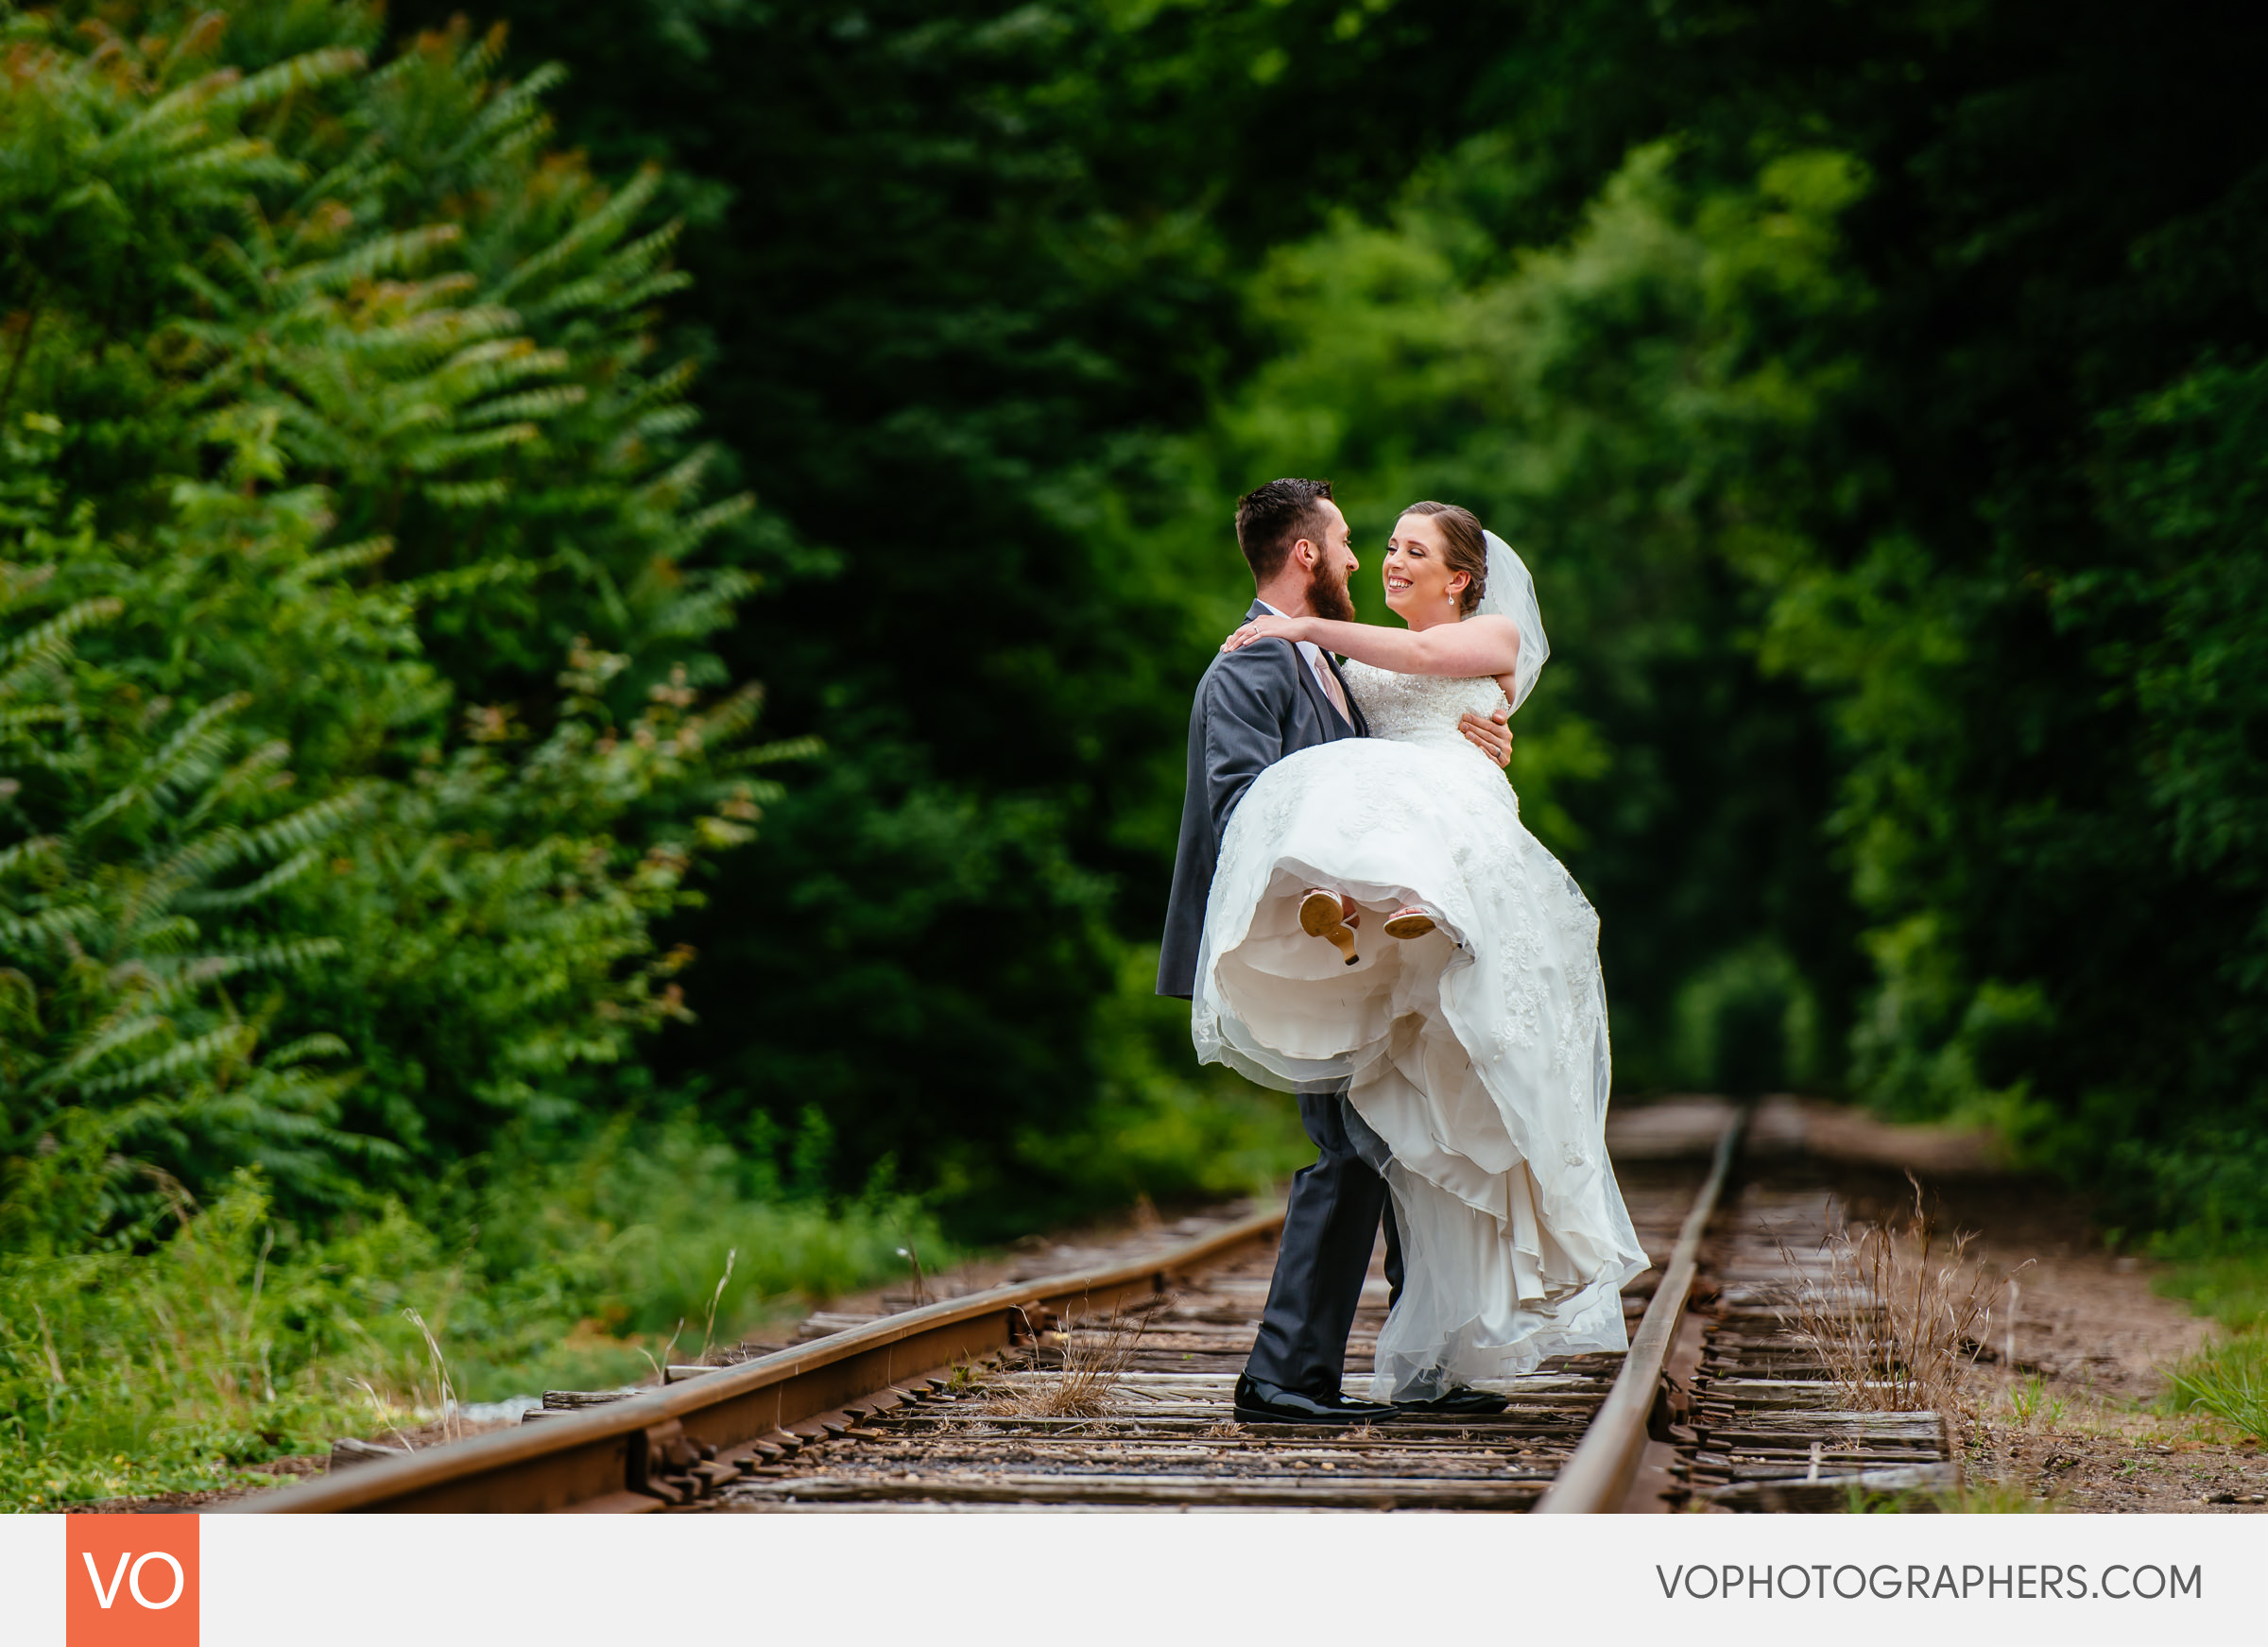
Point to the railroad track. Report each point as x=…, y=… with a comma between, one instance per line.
x=1108, y=1387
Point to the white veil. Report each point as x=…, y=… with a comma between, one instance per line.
x=1511, y=594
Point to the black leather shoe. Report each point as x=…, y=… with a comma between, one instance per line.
x=1263, y=1403
x=1462, y=1403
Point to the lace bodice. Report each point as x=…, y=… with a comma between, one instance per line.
x=1420, y=708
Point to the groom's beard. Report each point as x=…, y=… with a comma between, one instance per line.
x=1328, y=596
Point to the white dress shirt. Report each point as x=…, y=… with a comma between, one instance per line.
x=1329, y=682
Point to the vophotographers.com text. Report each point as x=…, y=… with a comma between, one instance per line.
x=1888, y=1581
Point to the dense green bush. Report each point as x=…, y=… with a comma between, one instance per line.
x=384, y=440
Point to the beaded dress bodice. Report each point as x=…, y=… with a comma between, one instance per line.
x=1420, y=708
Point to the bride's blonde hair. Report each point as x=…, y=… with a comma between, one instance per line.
x=1465, y=548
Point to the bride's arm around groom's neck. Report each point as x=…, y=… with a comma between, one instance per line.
x=1476, y=647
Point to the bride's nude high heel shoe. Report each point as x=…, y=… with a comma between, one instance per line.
x=1409, y=921
x=1326, y=914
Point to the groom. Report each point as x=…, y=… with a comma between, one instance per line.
x=1255, y=706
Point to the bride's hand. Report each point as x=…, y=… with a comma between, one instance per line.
x=1270, y=628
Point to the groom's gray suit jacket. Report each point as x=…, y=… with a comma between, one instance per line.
x=1254, y=706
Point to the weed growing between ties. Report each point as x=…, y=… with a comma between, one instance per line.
x=1900, y=1315
x=1087, y=1382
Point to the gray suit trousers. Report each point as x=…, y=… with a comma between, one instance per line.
x=1329, y=1227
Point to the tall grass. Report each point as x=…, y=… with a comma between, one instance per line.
x=629, y=1236
x=124, y=1373
x=225, y=1338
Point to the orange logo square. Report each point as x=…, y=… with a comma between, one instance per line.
x=130, y=1580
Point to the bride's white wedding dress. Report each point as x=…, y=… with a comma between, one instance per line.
x=1477, y=1052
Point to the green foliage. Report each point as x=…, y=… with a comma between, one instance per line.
x=1747, y=1023
x=1875, y=357
x=2038, y=639
x=389, y=403
x=134, y=1026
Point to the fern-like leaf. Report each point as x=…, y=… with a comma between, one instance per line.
x=200, y=1055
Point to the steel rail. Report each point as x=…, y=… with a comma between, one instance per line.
x=1598, y=1478
x=612, y=1457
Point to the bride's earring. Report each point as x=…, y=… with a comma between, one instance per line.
x=1326, y=915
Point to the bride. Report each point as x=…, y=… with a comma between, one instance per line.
x=1472, y=1027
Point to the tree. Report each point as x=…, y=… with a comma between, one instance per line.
x=289, y=475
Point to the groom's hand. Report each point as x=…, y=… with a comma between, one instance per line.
x=1489, y=734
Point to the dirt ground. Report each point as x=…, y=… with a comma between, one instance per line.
x=2066, y=1425
x=2069, y=1419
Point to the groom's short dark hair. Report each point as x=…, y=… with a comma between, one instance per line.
x=1271, y=518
